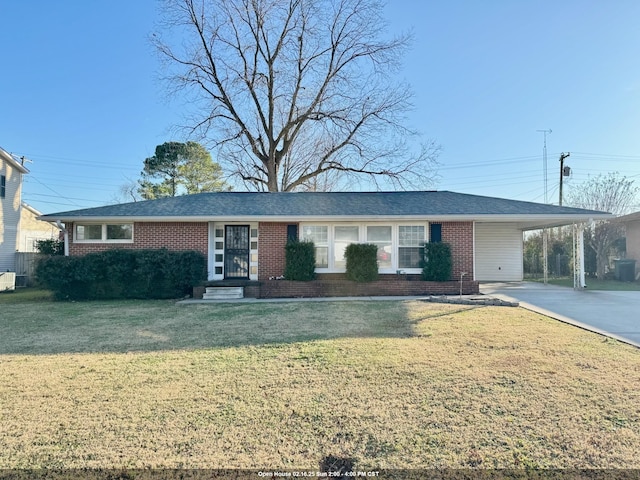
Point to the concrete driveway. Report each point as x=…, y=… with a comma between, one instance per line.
x=615, y=314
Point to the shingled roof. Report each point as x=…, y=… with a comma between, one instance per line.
x=316, y=205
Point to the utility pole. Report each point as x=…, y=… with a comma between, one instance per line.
x=562, y=173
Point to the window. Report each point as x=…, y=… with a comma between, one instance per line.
x=399, y=246
x=411, y=239
x=120, y=232
x=89, y=232
x=319, y=235
x=343, y=236
x=3, y=186
x=112, y=232
x=381, y=237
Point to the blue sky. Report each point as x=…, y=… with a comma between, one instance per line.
x=81, y=98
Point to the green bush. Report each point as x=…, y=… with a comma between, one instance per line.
x=300, y=261
x=362, y=262
x=437, y=262
x=118, y=274
x=50, y=247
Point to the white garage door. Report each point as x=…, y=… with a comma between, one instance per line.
x=498, y=252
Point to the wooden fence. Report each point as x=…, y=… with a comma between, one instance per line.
x=25, y=267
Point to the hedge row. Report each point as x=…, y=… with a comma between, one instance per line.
x=300, y=261
x=120, y=274
x=437, y=262
x=362, y=262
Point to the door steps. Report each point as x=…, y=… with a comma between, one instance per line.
x=223, y=293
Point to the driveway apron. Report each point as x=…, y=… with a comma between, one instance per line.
x=614, y=314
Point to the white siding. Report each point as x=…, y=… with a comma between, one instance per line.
x=9, y=216
x=498, y=252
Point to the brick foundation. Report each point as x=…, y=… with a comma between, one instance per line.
x=336, y=285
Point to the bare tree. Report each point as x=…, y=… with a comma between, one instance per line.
x=127, y=192
x=292, y=90
x=607, y=193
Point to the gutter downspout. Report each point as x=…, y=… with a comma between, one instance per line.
x=66, y=237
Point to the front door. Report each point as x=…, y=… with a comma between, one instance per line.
x=236, y=251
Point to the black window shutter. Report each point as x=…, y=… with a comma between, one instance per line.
x=292, y=232
x=436, y=232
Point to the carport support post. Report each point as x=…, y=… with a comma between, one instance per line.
x=545, y=266
x=578, y=257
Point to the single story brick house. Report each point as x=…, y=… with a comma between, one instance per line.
x=243, y=235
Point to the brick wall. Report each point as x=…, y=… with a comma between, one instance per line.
x=336, y=285
x=272, y=239
x=460, y=236
x=170, y=235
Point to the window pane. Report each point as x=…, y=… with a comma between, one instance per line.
x=410, y=257
x=378, y=234
x=322, y=257
x=381, y=236
x=411, y=241
x=411, y=236
x=120, y=232
x=89, y=232
x=343, y=237
x=316, y=234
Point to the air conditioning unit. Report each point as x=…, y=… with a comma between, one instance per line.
x=7, y=281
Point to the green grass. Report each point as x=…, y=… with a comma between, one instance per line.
x=594, y=284
x=25, y=295
x=274, y=386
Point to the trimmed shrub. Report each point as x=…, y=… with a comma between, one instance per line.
x=437, y=262
x=50, y=247
x=362, y=262
x=300, y=261
x=120, y=274
x=66, y=277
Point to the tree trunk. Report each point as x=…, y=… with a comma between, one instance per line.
x=602, y=259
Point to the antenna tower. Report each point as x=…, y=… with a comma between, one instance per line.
x=544, y=162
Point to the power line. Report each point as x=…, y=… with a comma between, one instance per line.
x=52, y=190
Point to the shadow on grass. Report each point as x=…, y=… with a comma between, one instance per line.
x=45, y=328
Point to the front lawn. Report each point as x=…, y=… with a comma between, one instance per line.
x=282, y=386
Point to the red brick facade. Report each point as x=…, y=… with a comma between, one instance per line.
x=170, y=235
x=272, y=238
x=336, y=285
x=460, y=236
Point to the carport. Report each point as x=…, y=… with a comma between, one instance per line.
x=498, y=246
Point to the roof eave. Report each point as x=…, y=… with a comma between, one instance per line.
x=525, y=221
x=9, y=158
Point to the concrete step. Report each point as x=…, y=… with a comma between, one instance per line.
x=223, y=293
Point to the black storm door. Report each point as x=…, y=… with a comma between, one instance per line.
x=236, y=251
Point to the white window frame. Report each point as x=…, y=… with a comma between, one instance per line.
x=103, y=238
x=362, y=234
x=398, y=246
x=302, y=236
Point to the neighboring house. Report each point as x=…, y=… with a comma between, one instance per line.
x=11, y=172
x=243, y=234
x=31, y=229
x=631, y=224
